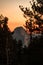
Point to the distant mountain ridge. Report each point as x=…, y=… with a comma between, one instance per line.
x=20, y=34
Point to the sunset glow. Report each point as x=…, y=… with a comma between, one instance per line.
x=10, y=8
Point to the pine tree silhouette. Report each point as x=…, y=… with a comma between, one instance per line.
x=34, y=23
x=35, y=14
x=6, y=42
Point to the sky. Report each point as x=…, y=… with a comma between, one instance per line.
x=10, y=8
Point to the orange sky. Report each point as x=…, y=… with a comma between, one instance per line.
x=13, y=25
x=10, y=8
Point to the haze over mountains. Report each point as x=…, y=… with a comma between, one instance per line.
x=20, y=34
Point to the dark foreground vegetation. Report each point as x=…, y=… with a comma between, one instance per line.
x=13, y=53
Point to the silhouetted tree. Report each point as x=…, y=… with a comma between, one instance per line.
x=1, y=44
x=6, y=42
x=34, y=22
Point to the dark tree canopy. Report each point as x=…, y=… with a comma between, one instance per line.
x=40, y=1
x=35, y=20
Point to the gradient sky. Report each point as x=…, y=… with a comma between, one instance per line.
x=10, y=8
